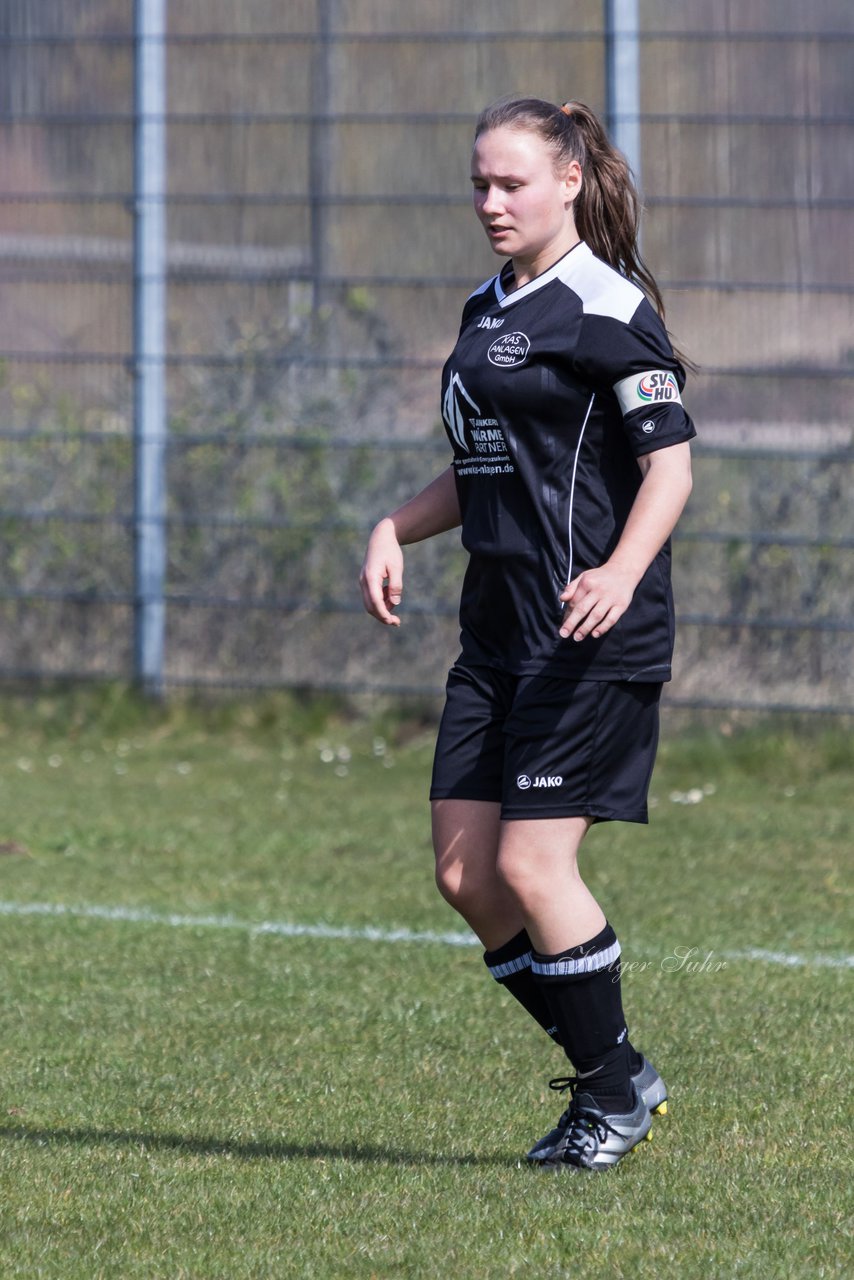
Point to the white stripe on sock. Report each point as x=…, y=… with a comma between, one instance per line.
x=567, y=967
x=509, y=967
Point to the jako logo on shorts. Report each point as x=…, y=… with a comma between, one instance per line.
x=523, y=782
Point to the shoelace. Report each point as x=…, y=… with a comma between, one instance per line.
x=560, y=1084
x=582, y=1124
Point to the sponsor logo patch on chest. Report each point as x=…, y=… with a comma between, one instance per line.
x=510, y=349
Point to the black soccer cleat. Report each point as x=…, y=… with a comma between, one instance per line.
x=596, y=1139
x=647, y=1083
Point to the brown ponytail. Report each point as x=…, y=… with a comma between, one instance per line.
x=608, y=208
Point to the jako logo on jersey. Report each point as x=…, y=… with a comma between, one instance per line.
x=510, y=349
x=452, y=410
x=490, y=322
x=523, y=782
x=657, y=386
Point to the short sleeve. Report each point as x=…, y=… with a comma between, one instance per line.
x=634, y=360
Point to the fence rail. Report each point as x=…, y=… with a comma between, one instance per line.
x=317, y=251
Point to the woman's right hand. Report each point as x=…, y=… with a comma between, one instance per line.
x=435, y=509
x=381, y=579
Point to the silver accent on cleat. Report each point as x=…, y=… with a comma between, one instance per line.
x=651, y=1087
x=596, y=1139
x=647, y=1083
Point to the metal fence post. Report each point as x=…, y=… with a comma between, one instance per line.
x=319, y=149
x=622, y=80
x=149, y=288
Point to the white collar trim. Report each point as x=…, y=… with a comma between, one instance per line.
x=564, y=269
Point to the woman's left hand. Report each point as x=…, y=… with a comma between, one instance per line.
x=595, y=600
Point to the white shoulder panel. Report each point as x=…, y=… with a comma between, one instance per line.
x=603, y=291
x=482, y=288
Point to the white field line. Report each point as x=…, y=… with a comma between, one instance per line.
x=277, y=928
x=287, y=929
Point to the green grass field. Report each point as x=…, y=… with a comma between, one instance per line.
x=185, y=1095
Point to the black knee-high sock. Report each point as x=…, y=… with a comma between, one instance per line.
x=511, y=966
x=582, y=989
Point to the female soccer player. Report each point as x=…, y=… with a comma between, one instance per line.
x=571, y=466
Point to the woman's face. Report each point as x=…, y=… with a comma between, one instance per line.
x=525, y=206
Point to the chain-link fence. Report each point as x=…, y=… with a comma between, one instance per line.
x=320, y=245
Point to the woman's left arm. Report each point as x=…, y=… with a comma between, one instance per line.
x=597, y=598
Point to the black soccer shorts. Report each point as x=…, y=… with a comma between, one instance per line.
x=545, y=747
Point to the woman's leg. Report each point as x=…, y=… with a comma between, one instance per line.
x=576, y=953
x=465, y=840
x=538, y=862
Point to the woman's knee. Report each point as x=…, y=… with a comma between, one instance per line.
x=465, y=839
x=537, y=860
x=520, y=878
x=462, y=886
x=448, y=881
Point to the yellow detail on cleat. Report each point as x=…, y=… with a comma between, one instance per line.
x=648, y=1136
x=661, y=1109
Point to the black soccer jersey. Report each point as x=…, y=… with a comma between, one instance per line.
x=550, y=395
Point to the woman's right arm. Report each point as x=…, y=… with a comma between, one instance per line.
x=434, y=510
